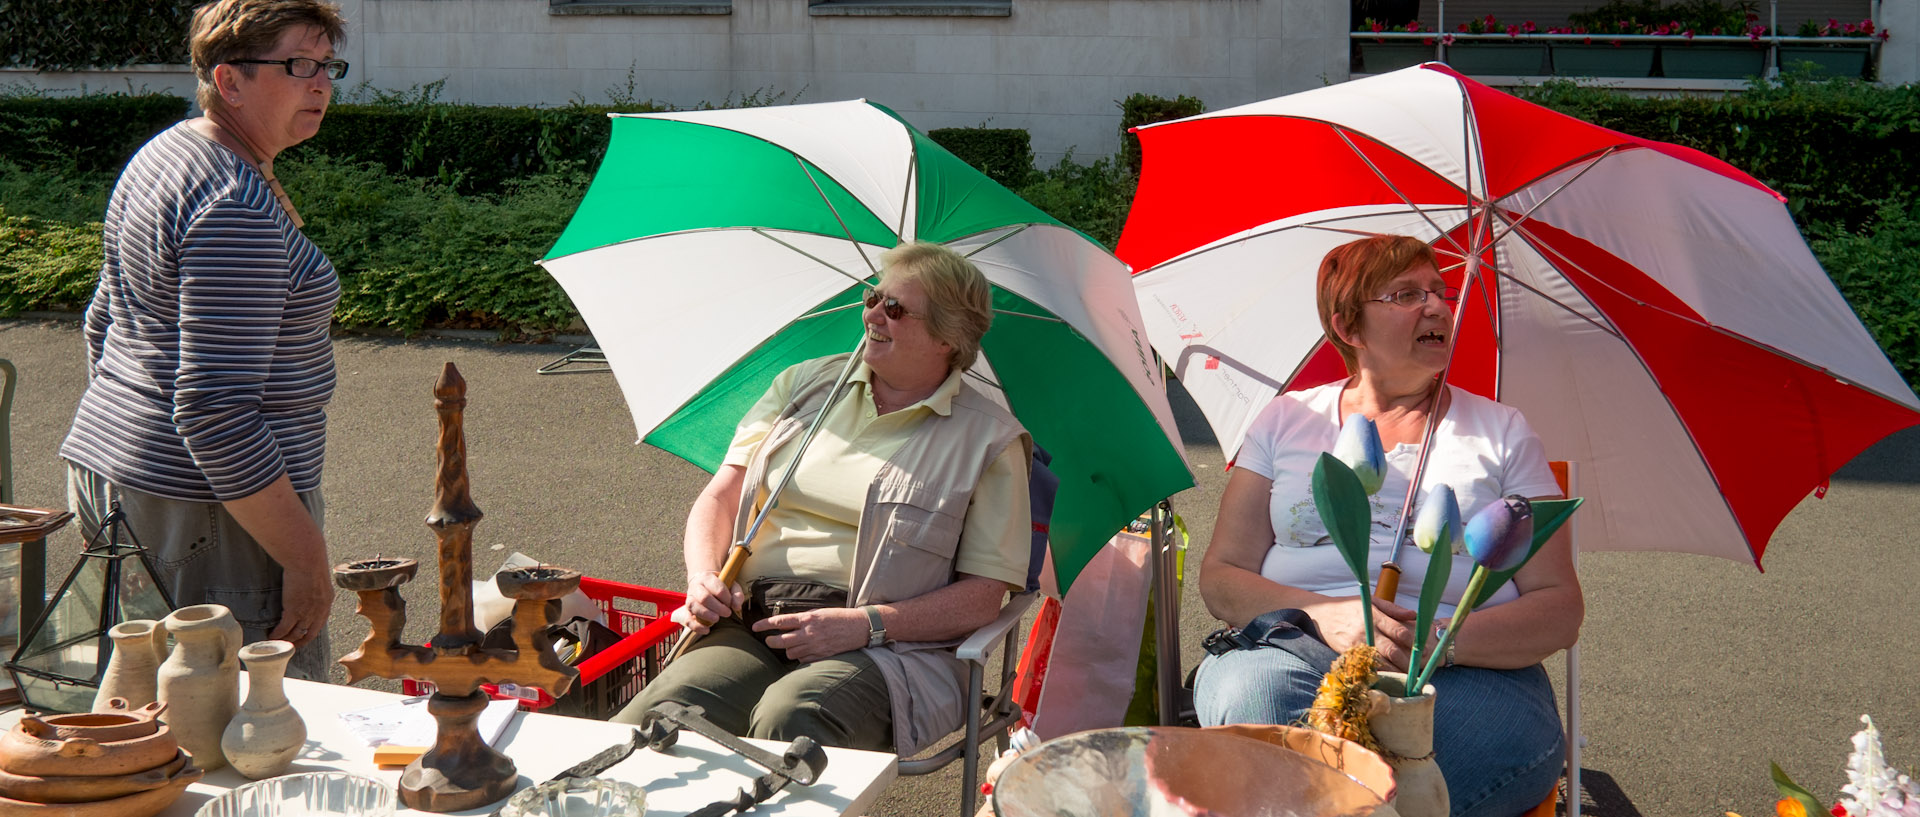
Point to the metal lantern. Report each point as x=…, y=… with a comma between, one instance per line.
x=60, y=661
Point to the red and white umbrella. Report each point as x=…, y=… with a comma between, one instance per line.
x=1652, y=310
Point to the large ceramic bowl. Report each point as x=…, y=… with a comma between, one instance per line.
x=336, y=794
x=1172, y=772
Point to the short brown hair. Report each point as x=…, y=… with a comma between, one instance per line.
x=227, y=30
x=1354, y=272
x=959, y=299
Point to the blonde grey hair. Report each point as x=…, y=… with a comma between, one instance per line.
x=959, y=299
x=227, y=30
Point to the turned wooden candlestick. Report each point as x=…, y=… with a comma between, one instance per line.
x=461, y=771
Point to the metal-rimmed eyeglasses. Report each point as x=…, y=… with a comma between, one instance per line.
x=894, y=310
x=302, y=67
x=1415, y=297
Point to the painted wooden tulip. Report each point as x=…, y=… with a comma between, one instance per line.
x=1439, y=522
x=1359, y=447
x=1500, y=536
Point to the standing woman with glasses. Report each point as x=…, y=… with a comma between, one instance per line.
x=1497, y=735
x=904, y=526
x=210, y=364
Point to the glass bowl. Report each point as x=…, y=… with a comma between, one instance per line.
x=575, y=797
x=323, y=793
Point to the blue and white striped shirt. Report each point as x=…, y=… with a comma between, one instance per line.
x=210, y=364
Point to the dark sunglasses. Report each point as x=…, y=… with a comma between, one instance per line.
x=893, y=310
x=302, y=67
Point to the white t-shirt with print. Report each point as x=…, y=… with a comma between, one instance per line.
x=1483, y=449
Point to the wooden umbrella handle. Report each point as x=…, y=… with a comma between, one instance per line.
x=1389, y=584
x=729, y=573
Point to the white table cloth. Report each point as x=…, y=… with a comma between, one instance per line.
x=688, y=776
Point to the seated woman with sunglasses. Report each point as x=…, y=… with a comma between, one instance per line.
x=209, y=359
x=1497, y=735
x=902, y=530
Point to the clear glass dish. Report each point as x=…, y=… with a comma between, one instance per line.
x=572, y=797
x=337, y=794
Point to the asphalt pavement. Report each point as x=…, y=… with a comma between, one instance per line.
x=1696, y=672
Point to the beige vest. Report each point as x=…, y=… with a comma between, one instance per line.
x=908, y=533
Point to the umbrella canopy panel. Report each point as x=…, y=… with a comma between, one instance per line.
x=716, y=248
x=1651, y=309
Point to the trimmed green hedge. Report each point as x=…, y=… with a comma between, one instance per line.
x=1004, y=154
x=434, y=213
x=89, y=133
x=1837, y=150
x=1146, y=109
x=470, y=148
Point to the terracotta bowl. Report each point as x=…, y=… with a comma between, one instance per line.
x=1345, y=755
x=21, y=753
x=87, y=789
x=139, y=804
x=115, y=723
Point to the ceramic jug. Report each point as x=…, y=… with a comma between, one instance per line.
x=264, y=738
x=1404, y=729
x=133, y=672
x=200, y=681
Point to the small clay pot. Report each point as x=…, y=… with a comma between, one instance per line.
x=88, y=789
x=21, y=753
x=138, y=804
x=104, y=726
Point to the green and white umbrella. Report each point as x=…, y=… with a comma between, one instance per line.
x=716, y=248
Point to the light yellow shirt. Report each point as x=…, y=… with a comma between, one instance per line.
x=810, y=532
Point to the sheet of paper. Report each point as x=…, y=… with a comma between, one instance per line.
x=407, y=723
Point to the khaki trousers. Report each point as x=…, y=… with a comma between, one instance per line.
x=203, y=557
x=749, y=690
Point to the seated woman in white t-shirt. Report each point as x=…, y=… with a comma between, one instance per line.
x=1497, y=734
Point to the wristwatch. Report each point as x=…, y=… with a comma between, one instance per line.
x=876, y=629
x=1440, y=634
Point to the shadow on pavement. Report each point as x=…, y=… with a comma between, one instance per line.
x=1895, y=459
x=1601, y=797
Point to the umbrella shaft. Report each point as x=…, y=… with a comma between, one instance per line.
x=1433, y=421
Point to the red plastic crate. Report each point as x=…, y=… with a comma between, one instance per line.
x=611, y=678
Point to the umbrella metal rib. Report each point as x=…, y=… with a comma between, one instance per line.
x=844, y=229
x=814, y=258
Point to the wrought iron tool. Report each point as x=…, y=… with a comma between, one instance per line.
x=802, y=763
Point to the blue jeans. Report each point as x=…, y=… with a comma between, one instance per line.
x=1496, y=733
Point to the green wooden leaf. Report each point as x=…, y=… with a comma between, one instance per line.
x=1439, y=569
x=1795, y=791
x=1548, y=516
x=1342, y=503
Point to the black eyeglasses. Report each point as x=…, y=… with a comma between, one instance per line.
x=1415, y=297
x=302, y=67
x=894, y=310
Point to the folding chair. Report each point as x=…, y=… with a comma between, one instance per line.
x=1566, y=473
x=987, y=718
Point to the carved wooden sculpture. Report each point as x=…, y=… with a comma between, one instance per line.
x=461, y=771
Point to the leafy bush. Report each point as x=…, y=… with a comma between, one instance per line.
x=413, y=253
x=1836, y=149
x=67, y=195
x=62, y=36
x=1146, y=109
x=1878, y=270
x=89, y=132
x=1093, y=199
x=1004, y=154
x=46, y=264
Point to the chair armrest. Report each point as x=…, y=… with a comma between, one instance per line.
x=979, y=646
